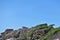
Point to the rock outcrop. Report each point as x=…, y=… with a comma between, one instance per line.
x=39, y=32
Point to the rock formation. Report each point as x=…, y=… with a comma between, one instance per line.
x=39, y=32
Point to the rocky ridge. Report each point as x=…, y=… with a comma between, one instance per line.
x=38, y=32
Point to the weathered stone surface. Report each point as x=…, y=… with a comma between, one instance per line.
x=35, y=33
x=56, y=36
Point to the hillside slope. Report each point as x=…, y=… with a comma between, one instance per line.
x=38, y=32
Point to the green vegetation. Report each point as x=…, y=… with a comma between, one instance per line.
x=38, y=32
x=16, y=35
x=0, y=36
x=24, y=37
x=49, y=28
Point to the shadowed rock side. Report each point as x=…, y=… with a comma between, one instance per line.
x=39, y=32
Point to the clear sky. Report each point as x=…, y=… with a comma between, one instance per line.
x=17, y=13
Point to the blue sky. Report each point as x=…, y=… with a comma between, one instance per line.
x=17, y=13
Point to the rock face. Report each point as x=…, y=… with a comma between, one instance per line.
x=11, y=39
x=39, y=32
x=56, y=36
x=7, y=34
